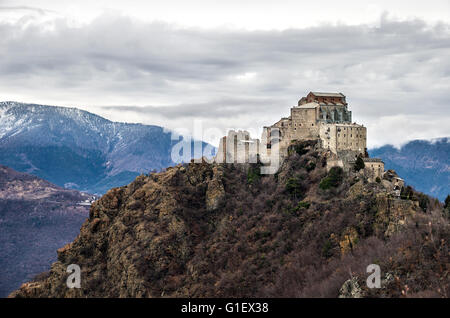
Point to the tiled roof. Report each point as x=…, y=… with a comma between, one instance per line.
x=322, y=94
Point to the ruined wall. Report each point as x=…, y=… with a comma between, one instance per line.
x=237, y=147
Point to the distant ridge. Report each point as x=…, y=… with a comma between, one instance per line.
x=36, y=218
x=425, y=164
x=77, y=149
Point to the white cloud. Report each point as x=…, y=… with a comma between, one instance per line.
x=395, y=74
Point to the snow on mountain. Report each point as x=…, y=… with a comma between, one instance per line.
x=72, y=146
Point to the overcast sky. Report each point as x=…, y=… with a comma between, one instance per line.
x=233, y=64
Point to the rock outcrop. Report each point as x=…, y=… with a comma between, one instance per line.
x=218, y=230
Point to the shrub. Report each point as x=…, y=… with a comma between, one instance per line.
x=378, y=180
x=333, y=178
x=359, y=164
x=302, y=205
x=310, y=166
x=326, y=249
x=294, y=187
x=447, y=202
x=253, y=174
x=406, y=193
x=423, y=201
x=300, y=148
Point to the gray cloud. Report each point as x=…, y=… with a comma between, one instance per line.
x=24, y=8
x=224, y=108
x=397, y=70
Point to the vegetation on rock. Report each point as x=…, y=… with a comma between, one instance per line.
x=359, y=164
x=282, y=236
x=333, y=178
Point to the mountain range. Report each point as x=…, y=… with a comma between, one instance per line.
x=36, y=218
x=76, y=149
x=423, y=164
x=83, y=151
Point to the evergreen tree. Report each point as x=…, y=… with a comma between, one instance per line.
x=447, y=202
x=359, y=164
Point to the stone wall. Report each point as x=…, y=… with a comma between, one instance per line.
x=238, y=147
x=374, y=168
x=330, y=124
x=326, y=120
x=337, y=137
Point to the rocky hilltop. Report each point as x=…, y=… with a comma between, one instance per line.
x=225, y=230
x=36, y=218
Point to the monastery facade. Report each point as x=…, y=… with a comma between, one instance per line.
x=324, y=117
x=318, y=116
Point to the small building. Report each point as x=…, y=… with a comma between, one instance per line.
x=373, y=168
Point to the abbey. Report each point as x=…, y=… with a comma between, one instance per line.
x=320, y=116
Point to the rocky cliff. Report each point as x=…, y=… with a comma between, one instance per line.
x=202, y=230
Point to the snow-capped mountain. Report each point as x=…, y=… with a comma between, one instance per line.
x=78, y=149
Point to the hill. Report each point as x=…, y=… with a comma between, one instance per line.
x=423, y=164
x=79, y=150
x=225, y=230
x=36, y=218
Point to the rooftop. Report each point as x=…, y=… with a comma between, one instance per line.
x=372, y=160
x=323, y=94
x=308, y=105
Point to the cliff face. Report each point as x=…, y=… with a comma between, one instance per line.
x=204, y=230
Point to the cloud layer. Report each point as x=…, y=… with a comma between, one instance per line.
x=396, y=75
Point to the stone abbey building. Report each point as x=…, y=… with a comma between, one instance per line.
x=318, y=116
x=322, y=116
